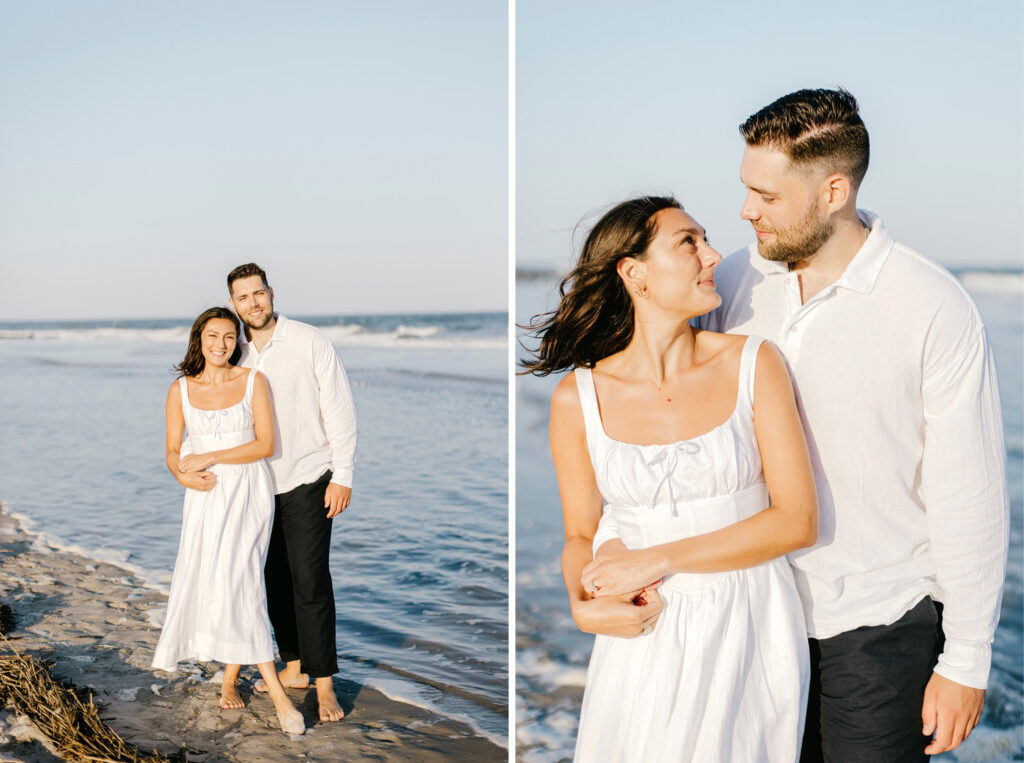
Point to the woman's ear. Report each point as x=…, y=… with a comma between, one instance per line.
x=634, y=275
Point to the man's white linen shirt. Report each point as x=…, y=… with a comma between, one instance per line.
x=896, y=385
x=314, y=416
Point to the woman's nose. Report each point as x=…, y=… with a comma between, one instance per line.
x=711, y=257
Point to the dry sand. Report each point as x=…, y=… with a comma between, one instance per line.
x=93, y=622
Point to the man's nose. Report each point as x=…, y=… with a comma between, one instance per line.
x=749, y=210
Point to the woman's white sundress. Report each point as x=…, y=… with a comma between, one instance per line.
x=217, y=608
x=724, y=674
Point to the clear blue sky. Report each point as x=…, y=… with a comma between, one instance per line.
x=358, y=151
x=617, y=99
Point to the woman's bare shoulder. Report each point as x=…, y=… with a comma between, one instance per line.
x=566, y=398
x=721, y=346
x=771, y=366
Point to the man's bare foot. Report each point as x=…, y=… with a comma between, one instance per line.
x=229, y=698
x=330, y=710
x=294, y=681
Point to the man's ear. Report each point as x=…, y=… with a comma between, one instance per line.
x=837, y=192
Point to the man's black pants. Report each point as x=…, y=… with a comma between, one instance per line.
x=867, y=687
x=300, y=594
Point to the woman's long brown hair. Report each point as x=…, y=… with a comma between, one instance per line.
x=594, y=317
x=194, y=362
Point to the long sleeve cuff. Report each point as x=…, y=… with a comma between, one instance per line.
x=968, y=663
x=342, y=475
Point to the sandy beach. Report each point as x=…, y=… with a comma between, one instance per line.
x=95, y=623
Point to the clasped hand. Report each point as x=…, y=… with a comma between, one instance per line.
x=193, y=474
x=628, y=616
x=195, y=462
x=620, y=570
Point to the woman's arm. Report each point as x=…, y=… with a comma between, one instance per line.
x=199, y=480
x=789, y=523
x=254, y=450
x=581, y=511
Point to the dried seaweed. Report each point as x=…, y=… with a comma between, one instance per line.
x=73, y=727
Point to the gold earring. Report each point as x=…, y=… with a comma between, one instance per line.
x=641, y=291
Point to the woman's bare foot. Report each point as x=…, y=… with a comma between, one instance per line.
x=330, y=710
x=229, y=697
x=291, y=721
x=296, y=681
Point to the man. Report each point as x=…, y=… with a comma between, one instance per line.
x=896, y=384
x=315, y=435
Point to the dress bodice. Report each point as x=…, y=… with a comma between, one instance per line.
x=722, y=461
x=220, y=428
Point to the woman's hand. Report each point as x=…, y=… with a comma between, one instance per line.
x=626, y=616
x=617, y=571
x=201, y=481
x=196, y=462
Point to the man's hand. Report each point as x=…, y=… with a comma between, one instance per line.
x=336, y=499
x=950, y=713
x=201, y=481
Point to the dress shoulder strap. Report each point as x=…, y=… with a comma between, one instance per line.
x=748, y=369
x=248, y=384
x=183, y=386
x=588, y=400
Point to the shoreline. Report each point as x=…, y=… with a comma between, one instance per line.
x=93, y=621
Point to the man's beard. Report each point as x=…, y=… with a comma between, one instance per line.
x=267, y=315
x=801, y=241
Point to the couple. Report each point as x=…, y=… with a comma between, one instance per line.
x=267, y=464
x=879, y=470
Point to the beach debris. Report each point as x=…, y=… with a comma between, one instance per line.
x=127, y=695
x=6, y=619
x=71, y=725
x=155, y=688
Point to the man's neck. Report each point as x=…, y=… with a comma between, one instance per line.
x=824, y=267
x=258, y=338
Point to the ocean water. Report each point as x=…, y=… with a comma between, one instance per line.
x=419, y=560
x=552, y=655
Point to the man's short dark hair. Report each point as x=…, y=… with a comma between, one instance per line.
x=246, y=270
x=813, y=127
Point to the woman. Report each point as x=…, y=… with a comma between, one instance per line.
x=682, y=433
x=217, y=608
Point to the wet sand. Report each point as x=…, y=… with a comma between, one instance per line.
x=94, y=622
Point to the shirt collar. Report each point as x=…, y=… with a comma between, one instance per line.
x=280, y=331
x=862, y=272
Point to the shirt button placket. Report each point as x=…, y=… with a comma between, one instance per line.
x=790, y=339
